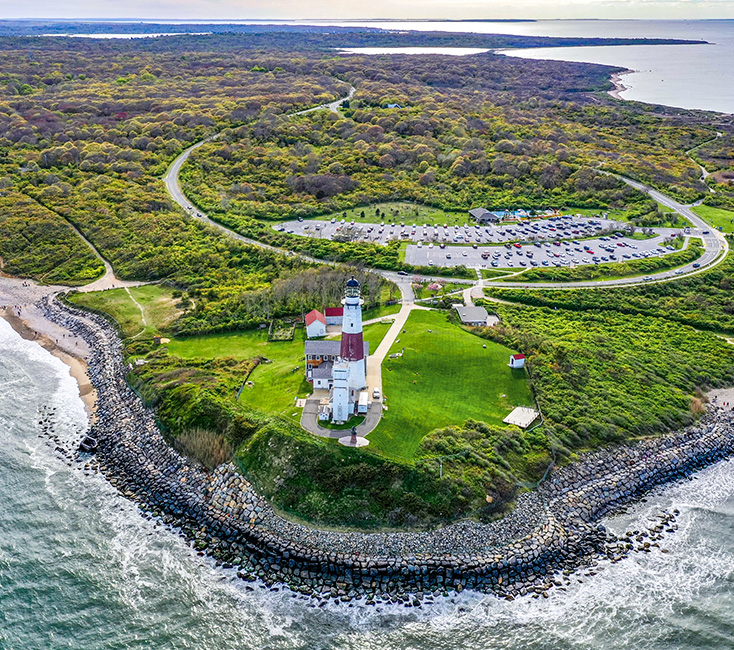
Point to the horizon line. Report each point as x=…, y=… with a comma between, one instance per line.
x=181, y=21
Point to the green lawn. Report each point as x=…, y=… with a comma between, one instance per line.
x=400, y=212
x=444, y=377
x=422, y=292
x=115, y=302
x=717, y=217
x=638, y=235
x=276, y=384
x=381, y=311
x=488, y=274
x=157, y=303
x=620, y=215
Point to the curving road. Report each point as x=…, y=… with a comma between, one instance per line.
x=715, y=244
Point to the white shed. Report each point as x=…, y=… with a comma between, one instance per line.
x=517, y=361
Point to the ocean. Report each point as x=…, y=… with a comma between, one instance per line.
x=683, y=76
x=80, y=568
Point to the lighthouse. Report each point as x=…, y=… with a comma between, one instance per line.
x=352, y=348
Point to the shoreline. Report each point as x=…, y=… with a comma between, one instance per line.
x=619, y=87
x=553, y=532
x=77, y=366
x=21, y=296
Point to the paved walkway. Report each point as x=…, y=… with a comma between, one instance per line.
x=108, y=280
x=310, y=419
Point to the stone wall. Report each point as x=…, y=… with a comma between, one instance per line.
x=550, y=532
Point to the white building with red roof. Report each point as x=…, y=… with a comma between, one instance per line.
x=517, y=361
x=315, y=324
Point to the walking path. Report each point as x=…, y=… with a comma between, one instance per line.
x=108, y=280
x=704, y=172
x=714, y=243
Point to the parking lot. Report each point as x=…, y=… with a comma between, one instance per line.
x=557, y=241
x=554, y=227
x=558, y=253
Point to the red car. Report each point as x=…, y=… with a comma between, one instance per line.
x=517, y=245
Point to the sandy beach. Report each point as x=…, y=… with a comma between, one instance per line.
x=17, y=307
x=619, y=87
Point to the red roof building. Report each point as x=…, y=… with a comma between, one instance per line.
x=315, y=324
x=517, y=361
x=313, y=316
x=334, y=315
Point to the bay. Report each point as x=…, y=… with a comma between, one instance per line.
x=683, y=76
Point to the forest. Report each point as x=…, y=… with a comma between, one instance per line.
x=452, y=140
x=88, y=128
x=704, y=301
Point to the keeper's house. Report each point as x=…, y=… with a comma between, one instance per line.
x=315, y=324
x=320, y=359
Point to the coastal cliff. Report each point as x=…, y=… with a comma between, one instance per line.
x=551, y=531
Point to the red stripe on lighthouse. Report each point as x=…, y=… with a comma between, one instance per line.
x=352, y=347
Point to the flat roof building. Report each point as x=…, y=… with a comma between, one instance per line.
x=475, y=316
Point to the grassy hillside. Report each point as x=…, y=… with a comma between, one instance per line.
x=445, y=376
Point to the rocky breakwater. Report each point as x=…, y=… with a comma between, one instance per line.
x=551, y=532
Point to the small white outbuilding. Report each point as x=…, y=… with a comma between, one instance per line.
x=517, y=361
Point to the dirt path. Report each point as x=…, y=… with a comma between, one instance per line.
x=138, y=305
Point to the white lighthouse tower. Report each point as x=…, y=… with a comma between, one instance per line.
x=341, y=406
x=352, y=349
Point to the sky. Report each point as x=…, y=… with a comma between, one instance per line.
x=364, y=9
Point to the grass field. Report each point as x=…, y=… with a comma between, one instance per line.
x=422, y=292
x=640, y=236
x=444, y=377
x=400, y=212
x=717, y=217
x=157, y=304
x=276, y=384
x=620, y=215
x=115, y=302
x=489, y=274
x=380, y=312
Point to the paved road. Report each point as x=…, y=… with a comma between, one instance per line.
x=714, y=243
